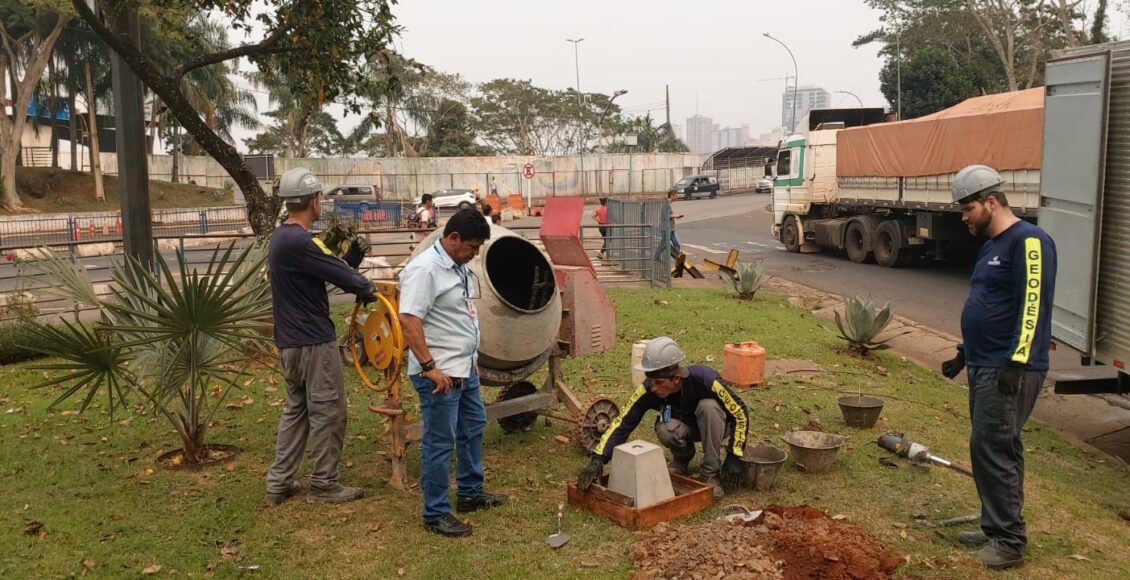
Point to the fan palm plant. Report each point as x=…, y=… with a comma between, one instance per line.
x=180, y=340
x=861, y=324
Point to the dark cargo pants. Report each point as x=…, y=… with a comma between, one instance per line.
x=315, y=409
x=709, y=427
x=998, y=454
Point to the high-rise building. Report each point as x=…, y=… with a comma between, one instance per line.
x=700, y=134
x=730, y=137
x=808, y=98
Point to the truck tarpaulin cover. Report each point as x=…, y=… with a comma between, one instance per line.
x=1002, y=131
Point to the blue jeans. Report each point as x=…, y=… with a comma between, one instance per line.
x=998, y=455
x=455, y=420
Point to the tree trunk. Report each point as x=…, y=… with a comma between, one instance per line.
x=53, y=110
x=95, y=152
x=175, y=177
x=73, y=126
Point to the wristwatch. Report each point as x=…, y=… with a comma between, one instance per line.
x=428, y=366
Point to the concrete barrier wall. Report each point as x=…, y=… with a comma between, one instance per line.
x=407, y=178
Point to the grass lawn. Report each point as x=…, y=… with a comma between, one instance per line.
x=82, y=493
x=47, y=190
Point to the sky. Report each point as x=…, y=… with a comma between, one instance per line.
x=711, y=52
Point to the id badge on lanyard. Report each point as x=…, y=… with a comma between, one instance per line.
x=665, y=413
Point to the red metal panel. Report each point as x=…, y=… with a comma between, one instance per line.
x=561, y=229
x=588, y=321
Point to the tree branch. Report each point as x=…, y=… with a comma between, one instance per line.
x=265, y=46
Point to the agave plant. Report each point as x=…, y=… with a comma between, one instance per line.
x=861, y=324
x=179, y=340
x=747, y=279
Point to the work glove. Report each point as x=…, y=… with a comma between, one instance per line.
x=951, y=368
x=356, y=252
x=590, y=474
x=1010, y=377
x=733, y=472
x=366, y=299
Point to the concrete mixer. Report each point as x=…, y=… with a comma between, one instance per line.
x=527, y=319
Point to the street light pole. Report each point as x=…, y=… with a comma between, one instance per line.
x=852, y=94
x=796, y=82
x=580, y=105
x=600, y=123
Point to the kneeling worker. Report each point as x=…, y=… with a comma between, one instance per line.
x=693, y=405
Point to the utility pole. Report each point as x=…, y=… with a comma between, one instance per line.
x=796, y=80
x=668, y=91
x=580, y=105
x=129, y=134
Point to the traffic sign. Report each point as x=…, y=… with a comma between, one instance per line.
x=528, y=171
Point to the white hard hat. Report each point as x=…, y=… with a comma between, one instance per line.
x=298, y=183
x=975, y=180
x=659, y=354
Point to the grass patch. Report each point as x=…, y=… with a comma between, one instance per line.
x=95, y=489
x=48, y=190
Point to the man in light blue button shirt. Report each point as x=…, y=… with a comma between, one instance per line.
x=441, y=328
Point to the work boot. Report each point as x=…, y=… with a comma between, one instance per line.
x=974, y=539
x=995, y=558
x=336, y=493
x=278, y=498
x=448, y=525
x=713, y=481
x=680, y=466
x=482, y=501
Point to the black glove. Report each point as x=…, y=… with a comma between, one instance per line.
x=356, y=252
x=366, y=299
x=590, y=474
x=952, y=367
x=733, y=472
x=1010, y=377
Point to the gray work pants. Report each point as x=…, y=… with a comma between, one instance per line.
x=315, y=409
x=998, y=454
x=709, y=428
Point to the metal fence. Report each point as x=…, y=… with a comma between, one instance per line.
x=640, y=238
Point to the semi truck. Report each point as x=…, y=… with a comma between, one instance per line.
x=879, y=191
x=1085, y=198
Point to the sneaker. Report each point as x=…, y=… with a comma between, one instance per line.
x=448, y=525
x=973, y=539
x=291, y=491
x=482, y=501
x=679, y=466
x=995, y=558
x=336, y=493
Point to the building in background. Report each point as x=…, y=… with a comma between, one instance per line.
x=700, y=134
x=677, y=129
x=808, y=98
x=730, y=137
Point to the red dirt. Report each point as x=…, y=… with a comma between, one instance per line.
x=785, y=542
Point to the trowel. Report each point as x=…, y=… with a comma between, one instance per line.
x=560, y=538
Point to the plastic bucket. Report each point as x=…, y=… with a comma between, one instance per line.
x=762, y=465
x=637, y=356
x=813, y=451
x=860, y=411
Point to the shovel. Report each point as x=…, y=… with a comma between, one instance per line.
x=560, y=538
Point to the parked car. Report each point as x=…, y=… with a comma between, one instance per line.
x=460, y=198
x=764, y=185
x=695, y=185
x=353, y=193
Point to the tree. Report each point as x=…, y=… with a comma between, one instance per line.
x=322, y=47
x=514, y=117
x=931, y=81
x=650, y=138
x=28, y=33
x=449, y=133
x=320, y=137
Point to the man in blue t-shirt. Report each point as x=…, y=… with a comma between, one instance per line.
x=300, y=265
x=1006, y=328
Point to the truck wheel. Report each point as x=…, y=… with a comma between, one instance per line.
x=790, y=235
x=890, y=246
x=855, y=242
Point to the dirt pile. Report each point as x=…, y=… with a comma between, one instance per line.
x=713, y=550
x=785, y=542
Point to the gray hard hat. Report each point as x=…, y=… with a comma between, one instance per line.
x=659, y=354
x=298, y=183
x=975, y=180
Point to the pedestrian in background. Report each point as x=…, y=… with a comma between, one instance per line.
x=1006, y=329
x=441, y=328
x=300, y=266
x=600, y=215
x=671, y=197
